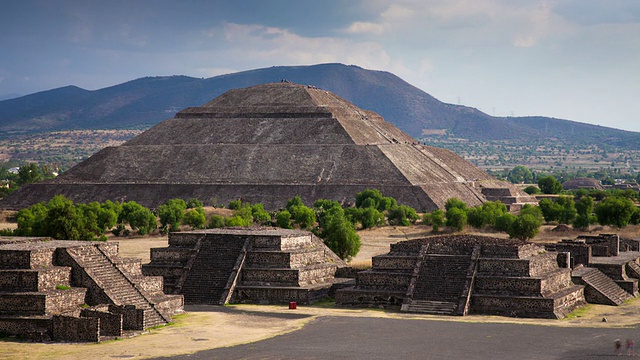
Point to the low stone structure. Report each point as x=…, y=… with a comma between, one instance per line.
x=261, y=265
x=76, y=291
x=461, y=274
x=607, y=265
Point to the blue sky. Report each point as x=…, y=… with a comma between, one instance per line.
x=571, y=59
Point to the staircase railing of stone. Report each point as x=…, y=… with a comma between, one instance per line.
x=465, y=299
x=235, y=274
x=135, y=286
x=414, y=278
x=177, y=289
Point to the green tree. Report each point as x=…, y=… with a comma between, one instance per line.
x=525, y=227
x=520, y=175
x=374, y=198
x=216, y=221
x=235, y=204
x=138, y=217
x=283, y=219
x=614, y=211
x=549, y=185
x=64, y=221
x=260, y=215
x=534, y=211
x=504, y=222
x=371, y=217
x=340, y=236
x=568, y=211
x=171, y=214
x=456, y=218
x=31, y=221
x=195, y=218
x=437, y=220
x=237, y=220
x=584, y=206
x=532, y=190
x=455, y=203
x=402, y=215
x=29, y=174
x=295, y=201
x=194, y=203
x=303, y=216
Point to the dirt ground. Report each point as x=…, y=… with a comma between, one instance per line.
x=208, y=327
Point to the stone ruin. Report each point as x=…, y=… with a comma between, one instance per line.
x=266, y=144
x=77, y=291
x=260, y=265
x=607, y=265
x=462, y=274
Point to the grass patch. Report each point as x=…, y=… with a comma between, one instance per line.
x=577, y=313
x=361, y=264
x=324, y=303
x=63, y=287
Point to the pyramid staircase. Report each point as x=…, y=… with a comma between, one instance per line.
x=444, y=281
x=633, y=269
x=599, y=288
x=76, y=291
x=206, y=283
x=263, y=265
x=115, y=284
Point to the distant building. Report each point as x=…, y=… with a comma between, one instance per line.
x=582, y=183
x=14, y=170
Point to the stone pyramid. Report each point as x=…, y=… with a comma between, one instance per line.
x=268, y=143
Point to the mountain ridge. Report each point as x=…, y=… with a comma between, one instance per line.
x=144, y=102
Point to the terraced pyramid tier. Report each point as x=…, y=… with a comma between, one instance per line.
x=266, y=144
x=260, y=265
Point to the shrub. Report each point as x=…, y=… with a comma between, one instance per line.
x=216, y=221
x=235, y=204
x=283, y=220
x=340, y=236
x=549, y=185
x=237, y=220
x=437, y=220
x=504, y=222
x=195, y=218
x=171, y=213
x=615, y=211
x=456, y=218
x=525, y=227
x=194, y=203
x=402, y=215
x=260, y=215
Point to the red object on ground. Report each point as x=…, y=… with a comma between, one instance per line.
x=293, y=305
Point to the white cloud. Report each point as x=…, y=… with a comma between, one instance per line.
x=363, y=27
x=270, y=45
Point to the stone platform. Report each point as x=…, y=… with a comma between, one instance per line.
x=239, y=265
x=461, y=274
x=76, y=291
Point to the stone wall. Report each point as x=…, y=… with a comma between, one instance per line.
x=110, y=324
x=69, y=328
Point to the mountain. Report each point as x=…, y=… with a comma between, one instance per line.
x=146, y=101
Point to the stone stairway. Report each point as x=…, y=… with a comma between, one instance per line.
x=633, y=269
x=442, y=278
x=115, y=285
x=431, y=307
x=207, y=280
x=599, y=288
